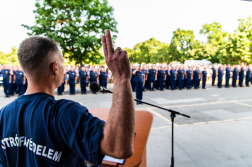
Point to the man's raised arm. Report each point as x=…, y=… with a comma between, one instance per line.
x=119, y=129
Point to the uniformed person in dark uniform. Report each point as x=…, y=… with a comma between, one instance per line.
x=220, y=75
x=173, y=78
x=72, y=80
x=180, y=78
x=100, y=72
x=192, y=82
x=65, y=79
x=248, y=75
x=83, y=74
x=204, y=78
x=94, y=77
x=61, y=87
x=167, y=81
x=241, y=76
x=16, y=70
x=6, y=80
x=13, y=81
x=152, y=75
x=177, y=78
x=184, y=73
x=189, y=77
x=139, y=83
x=228, y=70
x=147, y=79
x=133, y=79
x=161, y=74
x=196, y=78
x=235, y=74
x=213, y=75
x=144, y=71
x=20, y=79
x=157, y=85
x=104, y=77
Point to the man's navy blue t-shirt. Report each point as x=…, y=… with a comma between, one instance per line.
x=37, y=130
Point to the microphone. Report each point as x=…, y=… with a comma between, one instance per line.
x=95, y=87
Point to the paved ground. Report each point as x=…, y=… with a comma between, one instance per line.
x=218, y=134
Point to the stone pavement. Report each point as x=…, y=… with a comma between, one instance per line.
x=218, y=134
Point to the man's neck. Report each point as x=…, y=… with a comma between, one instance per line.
x=43, y=87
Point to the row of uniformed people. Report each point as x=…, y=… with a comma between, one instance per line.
x=14, y=80
x=237, y=73
x=169, y=77
x=84, y=76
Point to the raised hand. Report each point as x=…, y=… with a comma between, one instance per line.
x=117, y=60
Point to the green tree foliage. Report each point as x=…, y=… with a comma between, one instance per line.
x=9, y=58
x=162, y=55
x=237, y=49
x=182, y=44
x=216, y=41
x=245, y=26
x=76, y=25
x=239, y=46
x=214, y=33
x=145, y=52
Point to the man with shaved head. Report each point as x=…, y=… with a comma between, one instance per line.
x=37, y=130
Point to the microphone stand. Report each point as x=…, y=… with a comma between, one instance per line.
x=173, y=115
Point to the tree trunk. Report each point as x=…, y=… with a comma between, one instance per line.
x=80, y=62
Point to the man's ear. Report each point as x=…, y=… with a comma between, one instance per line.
x=55, y=68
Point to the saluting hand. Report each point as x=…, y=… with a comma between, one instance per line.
x=117, y=60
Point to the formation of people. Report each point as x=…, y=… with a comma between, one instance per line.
x=85, y=76
x=144, y=77
x=13, y=80
x=159, y=77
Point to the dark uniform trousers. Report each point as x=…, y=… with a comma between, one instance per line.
x=241, y=78
x=151, y=80
x=161, y=83
x=204, y=82
x=188, y=83
x=248, y=79
x=172, y=83
x=139, y=91
x=157, y=83
x=180, y=82
x=146, y=84
x=12, y=86
x=196, y=82
x=227, y=80
x=60, y=89
x=234, y=80
x=6, y=85
x=219, y=80
x=213, y=78
x=196, y=79
x=72, y=86
x=185, y=82
x=204, y=78
x=104, y=83
x=167, y=81
x=83, y=85
x=133, y=84
x=20, y=88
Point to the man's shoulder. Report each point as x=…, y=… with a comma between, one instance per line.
x=70, y=107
